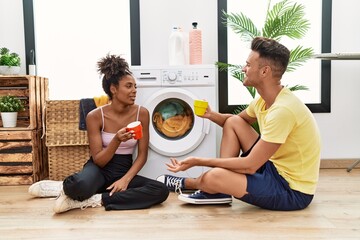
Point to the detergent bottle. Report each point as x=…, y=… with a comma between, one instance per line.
x=176, y=47
x=195, y=45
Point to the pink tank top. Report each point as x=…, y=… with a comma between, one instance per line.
x=127, y=147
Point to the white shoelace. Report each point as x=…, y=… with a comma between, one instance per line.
x=174, y=182
x=178, y=187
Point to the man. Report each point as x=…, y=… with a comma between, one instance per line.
x=276, y=170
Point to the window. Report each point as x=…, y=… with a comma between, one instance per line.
x=69, y=37
x=315, y=73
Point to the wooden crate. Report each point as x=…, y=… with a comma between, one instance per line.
x=68, y=147
x=33, y=90
x=23, y=153
x=21, y=157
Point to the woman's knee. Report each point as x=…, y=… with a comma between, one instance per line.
x=82, y=185
x=77, y=188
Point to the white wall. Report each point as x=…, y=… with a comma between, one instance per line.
x=339, y=129
x=157, y=17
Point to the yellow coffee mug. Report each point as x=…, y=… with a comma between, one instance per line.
x=200, y=107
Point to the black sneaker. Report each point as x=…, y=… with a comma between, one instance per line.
x=173, y=183
x=200, y=197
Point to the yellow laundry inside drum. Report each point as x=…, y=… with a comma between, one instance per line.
x=173, y=119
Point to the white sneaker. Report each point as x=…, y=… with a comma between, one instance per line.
x=200, y=197
x=46, y=188
x=63, y=203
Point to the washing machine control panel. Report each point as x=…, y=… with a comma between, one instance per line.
x=186, y=77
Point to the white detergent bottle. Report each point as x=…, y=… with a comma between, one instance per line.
x=176, y=47
x=195, y=45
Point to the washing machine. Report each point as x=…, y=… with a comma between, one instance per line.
x=175, y=131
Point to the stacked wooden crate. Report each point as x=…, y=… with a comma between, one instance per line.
x=23, y=156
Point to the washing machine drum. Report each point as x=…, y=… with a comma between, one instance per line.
x=173, y=118
x=174, y=128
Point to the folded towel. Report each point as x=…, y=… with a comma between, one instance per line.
x=85, y=106
x=101, y=100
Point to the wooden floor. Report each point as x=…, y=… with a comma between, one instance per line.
x=333, y=214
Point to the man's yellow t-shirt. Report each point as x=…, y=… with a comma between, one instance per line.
x=289, y=122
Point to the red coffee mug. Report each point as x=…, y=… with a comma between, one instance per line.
x=136, y=128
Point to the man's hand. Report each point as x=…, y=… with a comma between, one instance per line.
x=177, y=166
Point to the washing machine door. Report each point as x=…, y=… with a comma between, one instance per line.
x=174, y=128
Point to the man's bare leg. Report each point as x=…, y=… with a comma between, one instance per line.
x=238, y=136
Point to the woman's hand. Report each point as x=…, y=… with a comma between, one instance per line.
x=122, y=135
x=118, y=186
x=177, y=166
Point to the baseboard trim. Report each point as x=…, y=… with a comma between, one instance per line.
x=338, y=163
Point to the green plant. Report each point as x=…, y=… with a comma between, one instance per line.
x=9, y=59
x=283, y=19
x=11, y=104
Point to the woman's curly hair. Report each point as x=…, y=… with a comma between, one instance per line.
x=112, y=68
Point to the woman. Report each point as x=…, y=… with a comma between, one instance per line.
x=109, y=178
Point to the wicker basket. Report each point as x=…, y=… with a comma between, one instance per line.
x=68, y=147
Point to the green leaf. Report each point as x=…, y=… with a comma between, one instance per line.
x=297, y=88
x=286, y=20
x=11, y=104
x=9, y=59
x=240, y=108
x=298, y=57
x=241, y=25
x=4, y=51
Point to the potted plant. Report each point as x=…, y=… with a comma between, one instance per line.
x=9, y=62
x=9, y=108
x=284, y=19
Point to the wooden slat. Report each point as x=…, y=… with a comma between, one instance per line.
x=16, y=180
x=44, y=91
x=40, y=164
x=6, y=170
x=15, y=81
x=23, y=114
x=38, y=102
x=15, y=135
x=14, y=92
x=32, y=102
x=14, y=145
x=18, y=157
x=44, y=97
